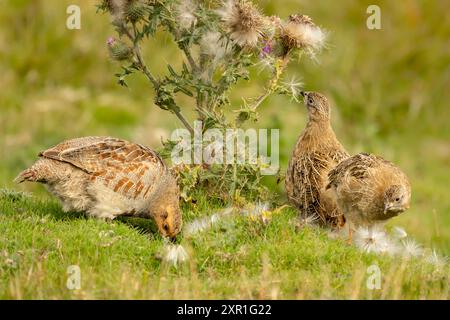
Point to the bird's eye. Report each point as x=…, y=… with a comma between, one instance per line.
x=397, y=199
x=310, y=101
x=166, y=226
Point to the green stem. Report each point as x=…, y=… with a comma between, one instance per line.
x=147, y=73
x=190, y=59
x=273, y=83
x=184, y=121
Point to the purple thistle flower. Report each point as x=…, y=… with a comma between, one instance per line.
x=110, y=41
x=267, y=49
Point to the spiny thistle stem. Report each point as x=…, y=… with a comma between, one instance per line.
x=150, y=77
x=190, y=59
x=184, y=121
x=273, y=82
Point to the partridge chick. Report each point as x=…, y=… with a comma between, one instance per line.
x=369, y=190
x=108, y=177
x=317, y=151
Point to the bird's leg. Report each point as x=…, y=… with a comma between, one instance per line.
x=340, y=222
x=350, y=234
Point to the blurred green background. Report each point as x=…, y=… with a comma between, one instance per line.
x=389, y=88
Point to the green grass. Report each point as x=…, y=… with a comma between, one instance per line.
x=390, y=97
x=238, y=258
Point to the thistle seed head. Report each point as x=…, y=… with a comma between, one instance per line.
x=300, y=32
x=185, y=13
x=243, y=21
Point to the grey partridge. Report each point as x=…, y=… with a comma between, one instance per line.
x=317, y=152
x=369, y=189
x=108, y=177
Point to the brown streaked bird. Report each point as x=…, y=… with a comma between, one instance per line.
x=369, y=189
x=317, y=151
x=107, y=177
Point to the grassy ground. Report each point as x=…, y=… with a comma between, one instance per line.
x=238, y=258
x=390, y=97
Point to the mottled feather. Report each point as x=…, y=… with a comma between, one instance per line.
x=369, y=189
x=108, y=177
x=122, y=166
x=317, y=151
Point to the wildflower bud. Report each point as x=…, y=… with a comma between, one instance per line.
x=118, y=50
x=107, y=5
x=135, y=11
x=267, y=49
x=110, y=41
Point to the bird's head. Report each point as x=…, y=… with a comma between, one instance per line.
x=317, y=104
x=165, y=210
x=396, y=200
x=168, y=220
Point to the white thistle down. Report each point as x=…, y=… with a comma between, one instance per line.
x=259, y=210
x=266, y=63
x=411, y=248
x=300, y=32
x=185, y=13
x=399, y=233
x=435, y=259
x=200, y=225
x=175, y=254
x=243, y=21
x=374, y=240
x=294, y=87
x=206, y=223
x=310, y=220
x=213, y=45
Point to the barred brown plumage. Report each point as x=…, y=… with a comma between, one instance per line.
x=369, y=189
x=107, y=177
x=317, y=151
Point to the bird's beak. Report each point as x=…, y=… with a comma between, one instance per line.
x=393, y=208
x=173, y=240
x=302, y=93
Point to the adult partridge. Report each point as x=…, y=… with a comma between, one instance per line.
x=317, y=152
x=108, y=177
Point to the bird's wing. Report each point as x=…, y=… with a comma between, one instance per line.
x=336, y=152
x=307, y=174
x=73, y=144
x=355, y=167
x=128, y=168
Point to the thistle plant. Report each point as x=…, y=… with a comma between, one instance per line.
x=220, y=42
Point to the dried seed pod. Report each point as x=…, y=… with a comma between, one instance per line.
x=243, y=21
x=300, y=32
